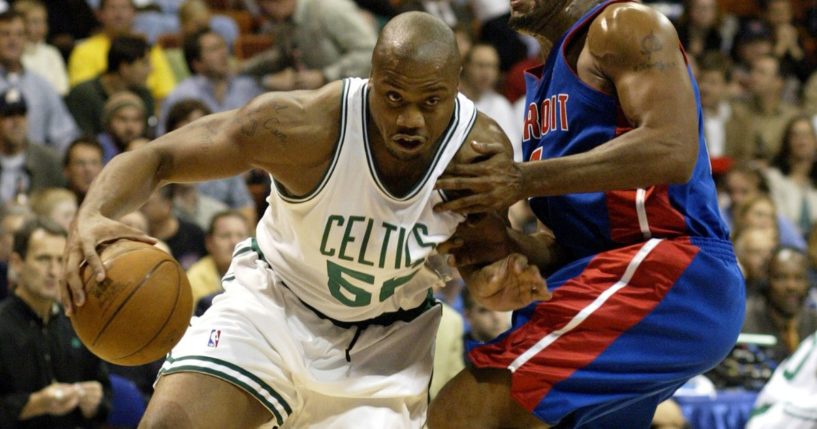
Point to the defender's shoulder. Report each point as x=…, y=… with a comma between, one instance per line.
x=627, y=30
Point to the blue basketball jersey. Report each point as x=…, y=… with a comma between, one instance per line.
x=565, y=116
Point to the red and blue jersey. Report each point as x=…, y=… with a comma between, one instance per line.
x=565, y=116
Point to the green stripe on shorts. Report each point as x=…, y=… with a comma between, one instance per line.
x=239, y=370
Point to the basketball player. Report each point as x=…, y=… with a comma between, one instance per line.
x=646, y=289
x=325, y=321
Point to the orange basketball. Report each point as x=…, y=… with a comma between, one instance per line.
x=142, y=308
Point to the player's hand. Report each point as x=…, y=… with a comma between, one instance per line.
x=494, y=182
x=59, y=399
x=479, y=240
x=508, y=284
x=90, y=395
x=87, y=232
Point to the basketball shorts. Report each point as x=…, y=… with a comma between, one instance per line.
x=306, y=369
x=624, y=329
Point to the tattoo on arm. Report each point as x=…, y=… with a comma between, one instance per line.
x=651, y=44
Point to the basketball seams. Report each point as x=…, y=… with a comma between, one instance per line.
x=132, y=292
x=170, y=314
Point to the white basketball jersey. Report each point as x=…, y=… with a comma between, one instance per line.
x=351, y=249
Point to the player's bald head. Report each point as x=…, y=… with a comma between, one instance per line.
x=417, y=38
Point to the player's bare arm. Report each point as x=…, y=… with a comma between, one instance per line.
x=492, y=257
x=274, y=132
x=631, y=52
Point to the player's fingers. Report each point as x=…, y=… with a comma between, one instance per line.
x=464, y=184
x=487, y=148
x=450, y=244
x=466, y=205
x=72, y=280
x=469, y=170
x=94, y=263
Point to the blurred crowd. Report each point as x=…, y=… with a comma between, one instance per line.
x=84, y=80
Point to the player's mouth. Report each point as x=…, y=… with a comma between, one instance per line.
x=408, y=143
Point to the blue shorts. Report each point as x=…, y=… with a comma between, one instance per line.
x=624, y=329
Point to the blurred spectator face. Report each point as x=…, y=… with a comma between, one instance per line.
x=802, y=141
x=13, y=131
x=196, y=114
x=40, y=272
x=761, y=214
x=703, y=13
x=227, y=232
x=136, y=73
x=464, y=41
x=8, y=226
x=194, y=15
x=278, y=10
x=84, y=164
x=214, y=61
x=740, y=187
x=36, y=24
x=752, y=50
x=487, y=324
x=779, y=12
x=712, y=84
x=482, y=69
x=12, y=40
x=117, y=16
x=63, y=213
x=157, y=208
x=765, y=79
x=753, y=249
x=788, y=282
x=127, y=124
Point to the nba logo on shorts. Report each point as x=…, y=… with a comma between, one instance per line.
x=215, y=334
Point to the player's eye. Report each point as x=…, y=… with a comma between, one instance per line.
x=433, y=101
x=394, y=97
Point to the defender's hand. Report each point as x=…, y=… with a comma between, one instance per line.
x=508, y=284
x=87, y=232
x=481, y=239
x=495, y=181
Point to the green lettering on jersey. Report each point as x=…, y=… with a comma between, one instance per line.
x=385, y=247
x=390, y=285
x=400, y=243
x=361, y=257
x=347, y=237
x=343, y=290
x=324, y=250
x=420, y=230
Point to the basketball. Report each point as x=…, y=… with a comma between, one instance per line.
x=141, y=309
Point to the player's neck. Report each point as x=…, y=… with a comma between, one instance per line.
x=564, y=17
x=398, y=175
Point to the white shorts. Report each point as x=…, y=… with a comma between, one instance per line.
x=260, y=337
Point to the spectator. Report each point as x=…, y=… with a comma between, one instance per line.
x=38, y=56
x=69, y=21
x=787, y=46
x=212, y=82
x=24, y=166
x=226, y=230
x=81, y=165
x=483, y=324
x=49, y=379
x=480, y=74
x=58, y=205
x=185, y=239
x=123, y=118
x=756, y=128
x=49, y=120
x=753, y=41
x=317, y=42
x=450, y=12
x=792, y=174
x=492, y=19
x=753, y=248
x=232, y=192
x=780, y=309
x=744, y=182
x=699, y=27
x=12, y=217
x=127, y=70
x=88, y=58
x=713, y=72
